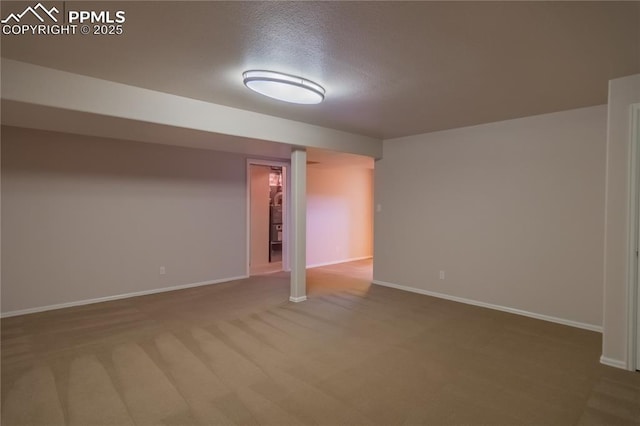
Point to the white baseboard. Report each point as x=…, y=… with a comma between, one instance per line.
x=591, y=327
x=116, y=297
x=613, y=362
x=298, y=299
x=335, y=262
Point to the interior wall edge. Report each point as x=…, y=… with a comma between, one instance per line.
x=563, y=321
x=117, y=297
x=615, y=363
x=337, y=262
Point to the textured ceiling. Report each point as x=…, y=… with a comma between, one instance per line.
x=390, y=68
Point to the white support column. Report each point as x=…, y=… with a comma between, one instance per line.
x=298, y=225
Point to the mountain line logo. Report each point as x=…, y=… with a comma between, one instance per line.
x=34, y=11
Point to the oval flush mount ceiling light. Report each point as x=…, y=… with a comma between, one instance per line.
x=284, y=87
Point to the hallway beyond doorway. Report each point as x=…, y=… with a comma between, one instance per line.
x=269, y=268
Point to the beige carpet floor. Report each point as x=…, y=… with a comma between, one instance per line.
x=353, y=354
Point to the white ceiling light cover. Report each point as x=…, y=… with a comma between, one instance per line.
x=284, y=87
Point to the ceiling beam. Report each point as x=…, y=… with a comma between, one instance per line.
x=43, y=93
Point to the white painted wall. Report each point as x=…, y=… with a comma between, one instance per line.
x=339, y=214
x=622, y=93
x=512, y=211
x=86, y=218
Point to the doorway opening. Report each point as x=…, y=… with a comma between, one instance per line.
x=267, y=229
x=633, y=275
x=275, y=214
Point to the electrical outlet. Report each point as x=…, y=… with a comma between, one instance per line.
x=442, y=275
x=162, y=270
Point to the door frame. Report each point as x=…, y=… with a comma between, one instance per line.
x=633, y=273
x=285, y=209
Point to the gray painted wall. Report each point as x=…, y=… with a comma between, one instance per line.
x=512, y=211
x=86, y=218
x=623, y=92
